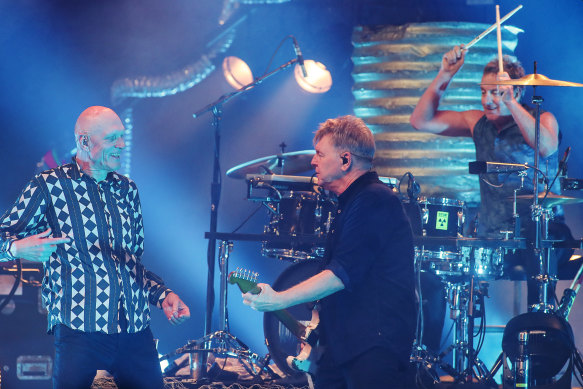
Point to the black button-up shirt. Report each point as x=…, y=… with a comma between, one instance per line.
x=370, y=248
x=86, y=281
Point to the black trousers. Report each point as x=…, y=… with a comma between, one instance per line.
x=375, y=368
x=130, y=357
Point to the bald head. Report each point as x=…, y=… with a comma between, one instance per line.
x=95, y=119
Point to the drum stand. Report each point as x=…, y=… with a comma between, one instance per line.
x=222, y=343
x=464, y=297
x=543, y=256
x=466, y=301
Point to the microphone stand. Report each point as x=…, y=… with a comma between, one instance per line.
x=216, y=108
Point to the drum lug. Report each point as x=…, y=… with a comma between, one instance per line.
x=461, y=219
x=425, y=215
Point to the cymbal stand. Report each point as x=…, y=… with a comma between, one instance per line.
x=515, y=215
x=543, y=277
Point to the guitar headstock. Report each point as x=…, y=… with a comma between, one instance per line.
x=246, y=280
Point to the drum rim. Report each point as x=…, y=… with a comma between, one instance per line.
x=447, y=254
x=294, y=255
x=441, y=201
x=301, y=195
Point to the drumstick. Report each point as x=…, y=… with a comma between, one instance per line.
x=492, y=27
x=499, y=37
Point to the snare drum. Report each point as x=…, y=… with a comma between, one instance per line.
x=442, y=216
x=441, y=262
x=303, y=214
x=483, y=262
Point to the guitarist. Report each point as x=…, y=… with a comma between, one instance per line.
x=366, y=286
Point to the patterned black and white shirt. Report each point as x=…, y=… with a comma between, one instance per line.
x=86, y=281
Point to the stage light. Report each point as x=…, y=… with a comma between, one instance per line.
x=319, y=79
x=237, y=72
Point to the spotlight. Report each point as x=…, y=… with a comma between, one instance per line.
x=237, y=72
x=319, y=79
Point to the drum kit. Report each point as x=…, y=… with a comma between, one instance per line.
x=300, y=215
x=299, y=218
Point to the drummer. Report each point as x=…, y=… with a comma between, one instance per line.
x=503, y=131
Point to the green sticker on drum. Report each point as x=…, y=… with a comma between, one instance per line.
x=442, y=218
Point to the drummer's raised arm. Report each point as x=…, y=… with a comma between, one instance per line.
x=427, y=117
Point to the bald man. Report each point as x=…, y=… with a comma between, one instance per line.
x=83, y=221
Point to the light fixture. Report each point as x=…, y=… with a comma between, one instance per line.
x=319, y=79
x=237, y=72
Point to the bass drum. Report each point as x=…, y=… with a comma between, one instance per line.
x=281, y=343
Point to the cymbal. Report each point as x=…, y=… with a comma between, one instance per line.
x=534, y=80
x=551, y=200
x=286, y=163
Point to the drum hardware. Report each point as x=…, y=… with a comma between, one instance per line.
x=442, y=216
x=571, y=183
x=298, y=213
x=221, y=343
x=541, y=253
x=466, y=302
x=461, y=258
x=464, y=264
x=535, y=80
x=293, y=211
x=515, y=215
x=551, y=200
x=277, y=183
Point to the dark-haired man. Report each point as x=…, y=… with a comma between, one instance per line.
x=503, y=131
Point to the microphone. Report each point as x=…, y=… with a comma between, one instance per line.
x=563, y=163
x=299, y=56
x=413, y=188
x=478, y=167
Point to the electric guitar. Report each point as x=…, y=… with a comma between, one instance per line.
x=310, y=352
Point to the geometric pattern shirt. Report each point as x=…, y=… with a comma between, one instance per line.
x=86, y=281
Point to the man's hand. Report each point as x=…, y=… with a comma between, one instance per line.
x=175, y=309
x=37, y=248
x=506, y=92
x=267, y=300
x=453, y=60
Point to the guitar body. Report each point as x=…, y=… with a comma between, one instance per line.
x=307, y=360
x=290, y=354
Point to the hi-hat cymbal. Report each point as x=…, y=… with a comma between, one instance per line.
x=534, y=80
x=286, y=163
x=551, y=200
